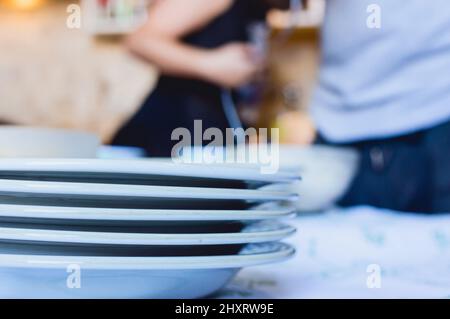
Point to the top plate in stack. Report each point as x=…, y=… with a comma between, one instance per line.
x=140, y=172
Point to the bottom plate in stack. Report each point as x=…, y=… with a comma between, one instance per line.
x=37, y=276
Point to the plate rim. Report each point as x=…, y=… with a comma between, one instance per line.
x=144, y=166
x=261, y=232
x=136, y=214
x=10, y=186
x=282, y=252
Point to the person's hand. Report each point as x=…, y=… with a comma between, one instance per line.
x=231, y=65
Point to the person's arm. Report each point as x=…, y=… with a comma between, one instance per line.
x=159, y=42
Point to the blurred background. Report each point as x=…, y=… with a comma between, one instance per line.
x=52, y=75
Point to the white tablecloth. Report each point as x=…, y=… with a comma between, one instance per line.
x=340, y=254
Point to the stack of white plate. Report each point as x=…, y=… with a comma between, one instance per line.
x=76, y=228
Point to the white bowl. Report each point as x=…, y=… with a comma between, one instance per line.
x=327, y=173
x=33, y=142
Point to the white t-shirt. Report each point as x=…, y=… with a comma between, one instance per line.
x=386, y=81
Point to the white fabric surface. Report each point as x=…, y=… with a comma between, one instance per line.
x=336, y=248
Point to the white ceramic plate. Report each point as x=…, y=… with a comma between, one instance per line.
x=144, y=171
x=113, y=190
x=135, y=217
x=257, y=233
x=131, y=196
x=28, y=276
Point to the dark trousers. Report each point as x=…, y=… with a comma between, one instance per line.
x=408, y=173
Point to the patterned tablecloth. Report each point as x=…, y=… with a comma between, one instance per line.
x=357, y=253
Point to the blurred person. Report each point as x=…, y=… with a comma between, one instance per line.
x=201, y=47
x=386, y=92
